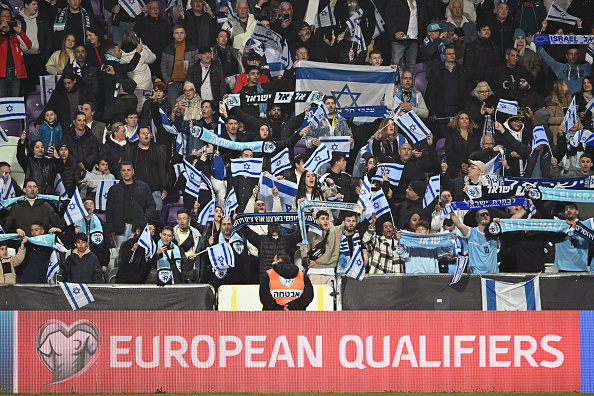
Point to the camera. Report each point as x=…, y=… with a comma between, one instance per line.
x=147, y=93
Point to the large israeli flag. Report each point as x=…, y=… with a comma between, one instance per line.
x=48, y=86
x=351, y=85
x=12, y=108
x=287, y=190
x=505, y=296
x=250, y=167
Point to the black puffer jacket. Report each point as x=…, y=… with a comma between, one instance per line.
x=113, y=152
x=457, y=149
x=82, y=149
x=142, y=203
x=133, y=265
x=42, y=170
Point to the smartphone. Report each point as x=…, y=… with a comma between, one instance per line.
x=12, y=23
x=105, y=68
x=147, y=93
x=286, y=17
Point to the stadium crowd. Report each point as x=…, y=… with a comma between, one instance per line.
x=127, y=81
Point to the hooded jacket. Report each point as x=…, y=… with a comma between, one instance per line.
x=41, y=40
x=85, y=269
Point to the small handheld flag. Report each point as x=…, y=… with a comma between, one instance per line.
x=147, y=242
x=432, y=191
x=280, y=162
x=251, y=167
x=507, y=107
x=77, y=294
x=75, y=211
x=318, y=158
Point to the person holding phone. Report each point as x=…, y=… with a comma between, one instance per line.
x=12, y=68
x=284, y=25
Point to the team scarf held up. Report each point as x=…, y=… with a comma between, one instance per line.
x=562, y=195
x=509, y=225
x=365, y=111
x=60, y=23
x=208, y=136
x=427, y=241
x=7, y=202
x=244, y=219
x=308, y=204
x=95, y=230
x=164, y=271
x=584, y=229
x=474, y=205
x=553, y=39
x=270, y=98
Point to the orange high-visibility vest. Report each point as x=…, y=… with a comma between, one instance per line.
x=285, y=290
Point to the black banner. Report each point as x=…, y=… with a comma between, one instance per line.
x=244, y=219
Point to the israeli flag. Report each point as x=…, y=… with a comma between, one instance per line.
x=570, y=117
x=207, y=213
x=358, y=37
x=180, y=144
x=167, y=124
x=505, y=296
x=380, y=203
x=326, y=17
x=412, y=125
x=77, y=294
x=273, y=59
x=53, y=267
x=147, y=242
x=101, y=193
x=230, y=204
x=461, y=262
x=355, y=268
x=221, y=256
x=250, y=167
x=494, y=165
x=590, y=105
x=379, y=24
x=3, y=137
x=287, y=191
x=314, y=116
x=7, y=187
x=268, y=37
x=354, y=20
x=337, y=143
x=352, y=85
x=48, y=86
x=232, y=18
x=394, y=172
x=255, y=45
x=319, y=157
x=539, y=136
x=12, y=108
x=179, y=169
x=75, y=211
x=590, y=59
x=280, y=162
x=558, y=14
x=194, y=177
x=286, y=59
x=507, y=107
x=432, y=191
x=582, y=136
x=132, y=7
x=59, y=187
x=365, y=195
x=172, y=3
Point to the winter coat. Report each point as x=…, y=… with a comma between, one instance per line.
x=17, y=54
x=85, y=269
x=7, y=272
x=511, y=78
x=116, y=110
x=168, y=59
x=93, y=177
x=502, y=33
x=33, y=269
x=154, y=32
x=42, y=170
x=70, y=174
x=52, y=65
x=113, y=151
x=48, y=135
x=217, y=80
x=457, y=149
x=481, y=58
x=44, y=34
x=239, y=35
x=133, y=267
x=531, y=61
x=22, y=215
x=201, y=30
x=65, y=103
x=82, y=149
x=141, y=73
x=436, y=88
x=157, y=168
x=142, y=203
x=268, y=247
x=397, y=15
x=557, y=111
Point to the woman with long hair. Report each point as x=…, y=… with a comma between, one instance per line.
x=582, y=98
x=387, y=141
x=557, y=103
x=229, y=57
x=309, y=189
x=462, y=139
x=65, y=55
x=36, y=165
x=141, y=74
x=95, y=46
x=265, y=134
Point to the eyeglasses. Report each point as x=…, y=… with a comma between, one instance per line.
x=483, y=92
x=484, y=214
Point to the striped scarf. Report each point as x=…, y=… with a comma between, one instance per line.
x=345, y=254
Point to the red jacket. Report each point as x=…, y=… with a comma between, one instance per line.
x=17, y=55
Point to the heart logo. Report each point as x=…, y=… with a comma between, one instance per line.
x=67, y=351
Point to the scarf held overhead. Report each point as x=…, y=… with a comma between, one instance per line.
x=244, y=219
x=278, y=97
x=308, y=204
x=209, y=137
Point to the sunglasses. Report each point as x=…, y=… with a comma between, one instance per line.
x=484, y=214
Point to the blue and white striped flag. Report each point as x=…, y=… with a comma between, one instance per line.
x=505, y=296
x=571, y=116
x=287, y=190
x=12, y=108
x=355, y=268
x=207, y=213
x=358, y=37
x=230, y=204
x=167, y=124
x=48, y=86
x=365, y=194
x=494, y=164
x=394, y=172
x=77, y=294
x=277, y=61
x=147, y=242
x=286, y=59
x=558, y=14
x=326, y=17
x=590, y=105
x=103, y=187
x=232, y=18
x=172, y=3
x=590, y=59
x=255, y=45
x=507, y=107
x=280, y=162
x=7, y=187
x=318, y=158
x=3, y=137
x=412, y=125
x=250, y=167
x=432, y=191
x=314, y=116
x=380, y=203
x=353, y=20
x=221, y=256
x=337, y=143
x=132, y=7
x=539, y=136
x=75, y=211
x=179, y=169
x=379, y=24
x=59, y=187
x=180, y=144
x=583, y=136
x=461, y=262
x=195, y=179
x=268, y=37
x=53, y=267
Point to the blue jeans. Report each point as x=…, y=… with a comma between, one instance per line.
x=402, y=48
x=118, y=31
x=10, y=86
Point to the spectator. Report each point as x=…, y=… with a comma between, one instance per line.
x=412, y=205
x=526, y=57
x=488, y=150
x=571, y=72
x=582, y=98
x=433, y=46
x=154, y=31
x=461, y=141
x=190, y=242
x=67, y=168
x=309, y=188
x=129, y=203
x=133, y=266
x=74, y=20
x=174, y=65
x=82, y=143
x=12, y=63
x=114, y=147
x=50, y=132
x=8, y=274
x=96, y=46
x=529, y=16
x=502, y=27
x=253, y=59
x=410, y=98
x=317, y=50
x=231, y=276
x=557, y=104
x=571, y=250
x=243, y=185
x=294, y=174
x=131, y=125
x=229, y=57
x=272, y=285
x=437, y=221
x=188, y=104
x=584, y=170
x=322, y=251
x=285, y=24
x=62, y=57
x=115, y=72
x=405, y=20
x=474, y=177
x=36, y=165
x=508, y=75
x=467, y=8
x=388, y=141
x=93, y=228
x=151, y=114
x=482, y=102
x=121, y=20
x=100, y=172
x=243, y=30
x=126, y=100
x=168, y=257
x=32, y=210
x=456, y=19
x=9, y=185
x=421, y=260
x=332, y=125
x=482, y=56
x=336, y=175
x=89, y=74
x=98, y=128
x=482, y=252
x=384, y=257
x=199, y=23
x=207, y=76
x=530, y=100
x=207, y=121
x=141, y=73
x=82, y=266
x=33, y=269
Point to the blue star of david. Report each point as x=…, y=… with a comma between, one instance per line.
x=358, y=262
x=192, y=176
x=246, y=166
x=334, y=147
x=317, y=158
x=346, y=90
x=376, y=205
x=221, y=259
x=278, y=163
x=9, y=108
x=387, y=171
x=50, y=91
x=503, y=106
x=72, y=206
x=105, y=196
x=324, y=13
x=412, y=128
x=268, y=32
x=363, y=192
x=76, y=290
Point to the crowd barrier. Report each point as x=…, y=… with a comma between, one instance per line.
x=247, y=298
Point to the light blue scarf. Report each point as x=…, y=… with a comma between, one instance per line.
x=427, y=241
x=95, y=231
x=163, y=262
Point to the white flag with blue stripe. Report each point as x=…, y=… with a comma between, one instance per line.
x=286, y=59
x=394, y=172
x=507, y=107
x=75, y=211
x=280, y=162
x=314, y=116
x=287, y=190
x=8, y=188
x=337, y=143
x=583, y=136
x=59, y=187
x=494, y=165
x=353, y=20
x=193, y=180
x=232, y=18
x=172, y=3
x=255, y=45
x=180, y=144
x=539, y=136
x=505, y=296
x=250, y=167
x=380, y=203
x=590, y=59
x=365, y=198
x=77, y=294
x=53, y=268
x=230, y=204
x=379, y=24
x=147, y=242
x=319, y=157
x=570, y=117
x=558, y=14
x=132, y=7
x=411, y=124
x=432, y=191
x=268, y=37
x=590, y=105
x=326, y=17
x=221, y=256
x=207, y=213
x=358, y=37
x=179, y=169
x=3, y=137
x=48, y=86
x=12, y=108
x=461, y=262
x=103, y=187
x=167, y=124
x=355, y=268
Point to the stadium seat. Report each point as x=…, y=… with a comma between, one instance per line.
x=419, y=68
x=420, y=82
x=33, y=106
x=31, y=130
x=169, y=213
x=439, y=147
x=300, y=148
x=12, y=127
x=96, y=4
x=16, y=4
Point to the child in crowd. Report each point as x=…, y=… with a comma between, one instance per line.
x=50, y=132
x=91, y=181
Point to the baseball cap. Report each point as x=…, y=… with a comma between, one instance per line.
x=433, y=27
x=481, y=165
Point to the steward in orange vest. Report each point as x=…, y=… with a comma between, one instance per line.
x=284, y=286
